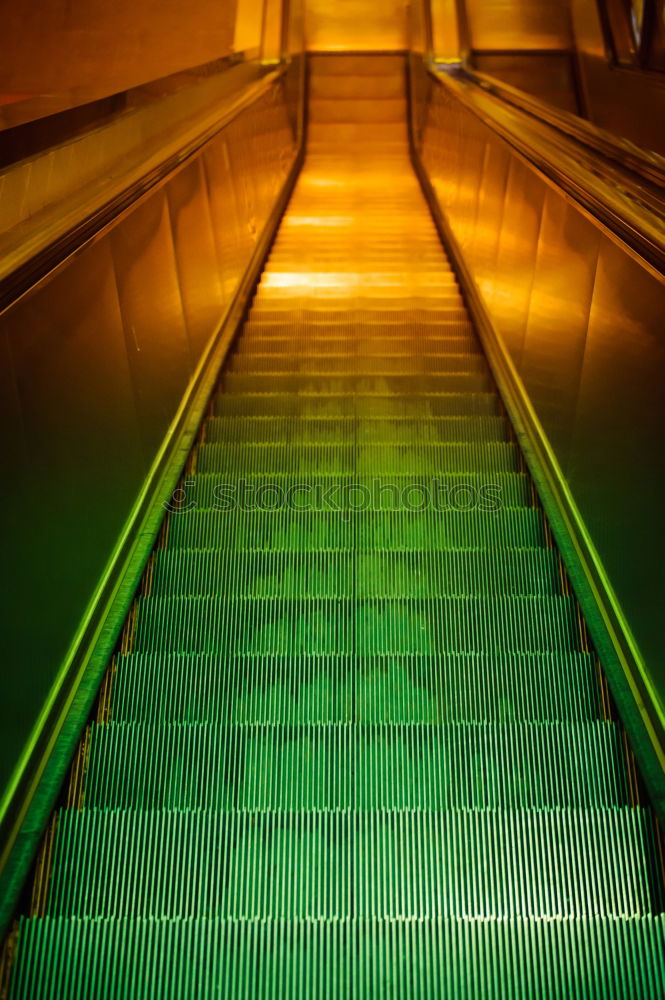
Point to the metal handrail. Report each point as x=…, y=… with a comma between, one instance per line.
x=645, y=163
x=32, y=265
x=630, y=209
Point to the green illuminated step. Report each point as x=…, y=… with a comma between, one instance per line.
x=334, y=688
x=183, y=572
x=353, y=430
x=458, y=491
x=342, y=625
x=613, y=957
x=323, y=383
x=378, y=863
x=329, y=529
x=348, y=766
x=385, y=405
x=419, y=458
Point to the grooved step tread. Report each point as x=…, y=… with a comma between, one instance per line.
x=357, y=431
x=352, y=364
x=433, y=345
x=304, y=459
x=514, y=958
x=390, y=689
x=340, y=404
x=342, y=766
x=331, y=528
x=322, y=383
x=461, y=491
x=187, y=572
x=376, y=863
x=366, y=625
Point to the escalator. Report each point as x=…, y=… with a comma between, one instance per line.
x=355, y=741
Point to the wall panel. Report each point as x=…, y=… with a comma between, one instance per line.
x=355, y=25
x=97, y=359
x=75, y=482
x=518, y=24
x=70, y=52
x=628, y=102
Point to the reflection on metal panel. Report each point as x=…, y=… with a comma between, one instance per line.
x=198, y=268
x=144, y=260
x=557, y=323
x=516, y=258
x=582, y=319
x=518, y=24
x=356, y=25
x=98, y=357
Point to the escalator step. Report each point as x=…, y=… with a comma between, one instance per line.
x=362, y=328
x=327, y=625
x=329, y=344
x=385, y=405
x=352, y=364
x=323, y=383
x=363, y=319
x=354, y=431
x=364, y=457
x=514, y=958
x=459, y=491
x=380, y=863
x=335, y=529
x=338, y=767
x=380, y=689
x=467, y=573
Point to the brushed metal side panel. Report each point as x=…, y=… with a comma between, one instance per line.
x=71, y=491
x=196, y=257
x=617, y=462
x=148, y=291
x=518, y=24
